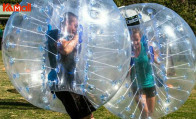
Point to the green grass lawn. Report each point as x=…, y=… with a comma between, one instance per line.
x=13, y=106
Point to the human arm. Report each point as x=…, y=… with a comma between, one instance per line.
x=153, y=54
x=130, y=67
x=156, y=58
x=66, y=47
x=129, y=72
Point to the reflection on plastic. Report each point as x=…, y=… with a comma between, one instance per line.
x=162, y=68
x=67, y=45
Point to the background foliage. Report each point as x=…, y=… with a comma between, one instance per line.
x=10, y=1
x=185, y=8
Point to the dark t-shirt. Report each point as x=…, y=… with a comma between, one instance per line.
x=77, y=106
x=66, y=64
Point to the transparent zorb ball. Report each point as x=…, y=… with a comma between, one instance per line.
x=162, y=68
x=79, y=46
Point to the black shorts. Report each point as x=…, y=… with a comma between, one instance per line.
x=149, y=92
x=77, y=106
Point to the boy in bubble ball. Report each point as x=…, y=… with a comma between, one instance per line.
x=77, y=106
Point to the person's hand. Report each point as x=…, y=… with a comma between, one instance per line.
x=65, y=47
x=61, y=46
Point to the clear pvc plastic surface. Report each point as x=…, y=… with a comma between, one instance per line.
x=162, y=68
x=80, y=46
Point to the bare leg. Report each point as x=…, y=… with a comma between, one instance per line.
x=142, y=106
x=151, y=105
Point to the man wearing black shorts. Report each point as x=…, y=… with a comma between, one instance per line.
x=77, y=106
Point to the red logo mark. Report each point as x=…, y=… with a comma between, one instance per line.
x=16, y=8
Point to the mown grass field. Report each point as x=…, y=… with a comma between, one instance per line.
x=13, y=106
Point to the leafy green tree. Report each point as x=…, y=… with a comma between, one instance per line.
x=10, y=1
x=185, y=8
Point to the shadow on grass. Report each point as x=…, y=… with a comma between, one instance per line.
x=13, y=91
x=16, y=104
